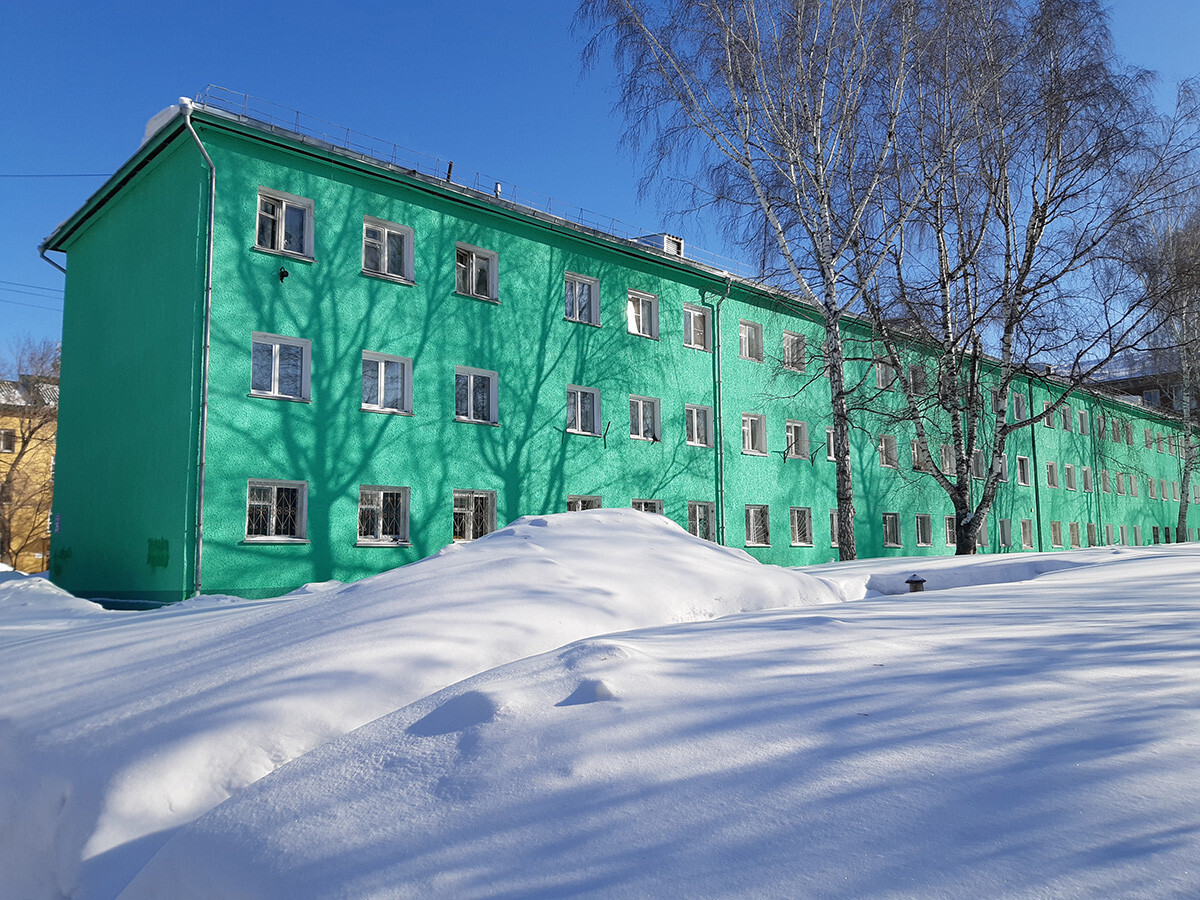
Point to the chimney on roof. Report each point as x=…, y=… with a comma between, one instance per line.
x=667, y=243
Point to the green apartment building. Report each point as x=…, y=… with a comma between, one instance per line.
x=288, y=361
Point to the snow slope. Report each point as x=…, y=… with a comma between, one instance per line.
x=1031, y=739
x=117, y=728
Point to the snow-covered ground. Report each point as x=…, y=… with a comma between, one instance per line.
x=598, y=704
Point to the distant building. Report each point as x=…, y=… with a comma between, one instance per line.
x=27, y=442
x=392, y=361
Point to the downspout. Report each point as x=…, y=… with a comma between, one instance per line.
x=186, y=106
x=718, y=382
x=1037, y=498
x=42, y=254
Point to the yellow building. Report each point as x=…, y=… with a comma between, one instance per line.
x=28, y=419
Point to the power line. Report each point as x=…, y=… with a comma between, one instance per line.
x=31, y=305
x=8, y=290
x=35, y=286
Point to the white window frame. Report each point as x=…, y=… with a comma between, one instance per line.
x=1105, y=482
x=1137, y=535
x=1027, y=534
x=1069, y=476
x=1002, y=467
x=301, y=513
x=1047, y=414
x=654, y=507
x=833, y=528
x=374, y=495
x=1073, y=536
x=921, y=460
x=924, y=525
x=691, y=315
x=918, y=380
x=278, y=243
x=1083, y=421
x=946, y=458
x=758, y=525
x=1066, y=417
x=1051, y=473
x=641, y=311
x=473, y=529
x=275, y=342
x=885, y=375
x=1149, y=440
x=572, y=282
x=750, y=340
x=575, y=395
x=1088, y=485
x=1056, y=537
x=471, y=375
x=891, y=530
x=582, y=502
x=889, y=454
x=829, y=454
x=637, y=420
x=978, y=466
x=950, y=526
x=754, y=434
x=1005, y=532
x=702, y=519
x=698, y=419
x=1023, y=471
x=801, y=525
x=1020, y=408
x=1152, y=485
x=387, y=256
x=381, y=362
x=8, y=440
x=797, y=439
x=795, y=351
x=467, y=260
x=1092, y=537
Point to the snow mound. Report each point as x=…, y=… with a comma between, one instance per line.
x=121, y=727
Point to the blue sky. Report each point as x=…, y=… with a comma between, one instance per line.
x=494, y=86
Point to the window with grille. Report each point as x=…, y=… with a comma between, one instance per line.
x=275, y=510
x=802, y=535
x=648, y=506
x=382, y=515
x=758, y=527
x=578, y=503
x=702, y=518
x=474, y=514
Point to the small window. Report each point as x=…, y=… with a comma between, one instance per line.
x=1152, y=397
x=981, y=535
x=1124, y=535
x=642, y=311
x=999, y=403
x=1027, y=534
x=885, y=375
x=648, y=506
x=1105, y=483
x=1158, y=439
x=476, y=272
x=797, y=440
x=1154, y=536
x=978, y=466
x=475, y=395
x=583, y=410
x=924, y=530
x=1087, y=479
x=1091, y=533
x=1048, y=414
x=1101, y=425
x=386, y=383
x=833, y=528
x=1133, y=486
x=829, y=452
x=1174, y=490
x=580, y=502
x=1002, y=467
x=387, y=249
x=1083, y=422
x=758, y=528
x=1163, y=486
x=917, y=381
x=1129, y=434
x=750, y=341
x=921, y=460
x=888, y=455
x=1171, y=445
x=891, y=530
x=1149, y=439
x=276, y=510
x=1116, y=431
x=382, y=515
x=1019, y=407
x=1005, y=532
x=1023, y=470
x=754, y=433
x=795, y=351
x=1069, y=476
x=285, y=224
x=702, y=519
x=582, y=299
x=697, y=330
x=644, y=418
x=1151, y=488
x=1052, y=474
x=1056, y=534
x=1137, y=535
x=8, y=440
x=1067, y=418
x=802, y=533
x=474, y=514
x=280, y=366
x=699, y=425
x=947, y=458
x=1073, y=529
x=951, y=531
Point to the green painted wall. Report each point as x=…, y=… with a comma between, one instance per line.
x=148, y=305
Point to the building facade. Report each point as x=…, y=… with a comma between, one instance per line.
x=355, y=364
x=27, y=447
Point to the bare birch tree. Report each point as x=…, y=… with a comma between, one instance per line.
x=1001, y=271
x=796, y=111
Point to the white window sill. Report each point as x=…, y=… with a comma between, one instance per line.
x=279, y=397
x=892, y=546
x=476, y=421
x=275, y=540
x=702, y=446
x=288, y=254
x=385, y=276
x=649, y=337
x=925, y=545
x=581, y=321
x=584, y=433
x=746, y=452
x=749, y=358
x=801, y=545
x=648, y=440
x=698, y=347
x=386, y=410
x=495, y=300
x=793, y=369
x=383, y=544
x=757, y=545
